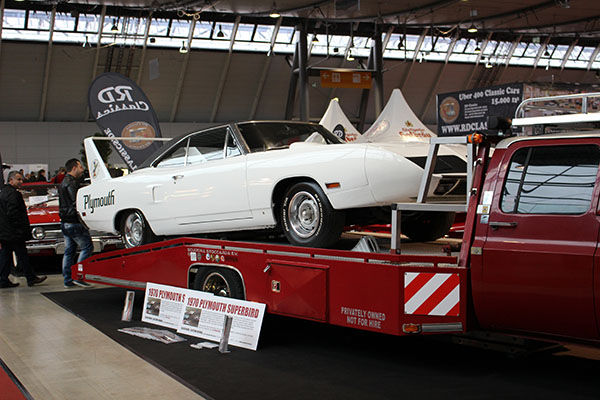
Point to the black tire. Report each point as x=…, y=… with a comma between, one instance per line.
x=219, y=281
x=135, y=230
x=427, y=226
x=307, y=217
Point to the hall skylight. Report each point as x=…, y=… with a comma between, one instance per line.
x=33, y=25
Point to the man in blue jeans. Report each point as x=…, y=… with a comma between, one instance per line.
x=76, y=234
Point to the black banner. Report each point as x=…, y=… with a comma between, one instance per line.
x=121, y=109
x=462, y=113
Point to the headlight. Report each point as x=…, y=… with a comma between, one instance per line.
x=38, y=233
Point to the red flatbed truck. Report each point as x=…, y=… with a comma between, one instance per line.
x=528, y=265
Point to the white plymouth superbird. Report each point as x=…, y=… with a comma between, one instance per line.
x=293, y=176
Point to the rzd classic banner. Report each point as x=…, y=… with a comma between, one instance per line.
x=121, y=109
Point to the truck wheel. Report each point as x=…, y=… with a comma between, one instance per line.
x=307, y=217
x=428, y=226
x=135, y=230
x=220, y=282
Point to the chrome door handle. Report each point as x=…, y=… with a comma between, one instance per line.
x=176, y=177
x=496, y=225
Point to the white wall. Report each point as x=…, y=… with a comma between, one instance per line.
x=53, y=143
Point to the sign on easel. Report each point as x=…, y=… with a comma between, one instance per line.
x=203, y=314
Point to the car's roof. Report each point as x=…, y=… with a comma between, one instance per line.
x=563, y=135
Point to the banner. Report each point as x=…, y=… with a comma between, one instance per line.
x=465, y=112
x=121, y=109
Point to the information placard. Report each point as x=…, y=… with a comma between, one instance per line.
x=163, y=305
x=202, y=314
x=205, y=313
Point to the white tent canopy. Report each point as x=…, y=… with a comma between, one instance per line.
x=336, y=121
x=398, y=123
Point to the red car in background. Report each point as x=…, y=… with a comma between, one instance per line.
x=41, y=199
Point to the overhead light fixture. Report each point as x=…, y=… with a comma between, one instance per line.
x=274, y=13
x=400, y=44
x=220, y=34
x=152, y=40
x=183, y=49
x=86, y=43
x=472, y=29
x=548, y=65
x=546, y=53
x=477, y=49
x=114, y=28
x=315, y=39
x=488, y=65
x=336, y=50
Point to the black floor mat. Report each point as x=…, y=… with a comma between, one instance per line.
x=299, y=359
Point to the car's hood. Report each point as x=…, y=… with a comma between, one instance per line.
x=43, y=214
x=421, y=149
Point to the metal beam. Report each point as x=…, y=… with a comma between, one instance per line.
x=302, y=65
x=364, y=98
x=388, y=36
x=538, y=57
x=439, y=77
x=412, y=64
x=509, y=55
x=378, y=64
x=291, y=101
x=186, y=59
x=567, y=54
x=263, y=76
x=144, y=48
x=47, y=68
x=593, y=57
x=97, y=55
x=225, y=70
x=1, y=23
x=483, y=46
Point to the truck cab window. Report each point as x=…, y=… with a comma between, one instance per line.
x=551, y=180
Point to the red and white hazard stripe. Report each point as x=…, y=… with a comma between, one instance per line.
x=427, y=293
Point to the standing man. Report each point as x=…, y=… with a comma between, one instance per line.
x=76, y=234
x=14, y=232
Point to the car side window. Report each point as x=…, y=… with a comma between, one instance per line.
x=207, y=146
x=175, y=157
x=551, y=180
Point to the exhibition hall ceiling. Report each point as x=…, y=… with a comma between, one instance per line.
x=551, y=17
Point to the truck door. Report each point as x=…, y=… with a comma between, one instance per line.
x=538, y=259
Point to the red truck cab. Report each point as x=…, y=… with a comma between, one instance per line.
x=535, y=245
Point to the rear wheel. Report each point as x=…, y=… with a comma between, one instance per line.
x=307, y=217
x=135, y=230
x=220, y=282
x=427, y=226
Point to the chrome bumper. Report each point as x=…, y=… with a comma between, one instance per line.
x=58, y=246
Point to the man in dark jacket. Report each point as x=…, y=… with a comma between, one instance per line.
x=14, y=232
x=76, y=234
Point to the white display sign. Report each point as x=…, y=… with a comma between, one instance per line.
x=204, y=317
x=163, y=305
x=202, y=314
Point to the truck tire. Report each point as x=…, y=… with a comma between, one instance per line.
x=427, y=226
x=307, y=217
x=135, y=230
x=220, y=282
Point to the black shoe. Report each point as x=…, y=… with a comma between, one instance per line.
x=36, y=280
x=8, y=285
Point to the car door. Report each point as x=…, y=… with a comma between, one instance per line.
x=538, y=259
x=208, y=192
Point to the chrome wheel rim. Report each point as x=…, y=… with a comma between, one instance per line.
x=215, y=283
x=304, y=214
x=133, y=230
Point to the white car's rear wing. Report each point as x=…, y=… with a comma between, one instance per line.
x=96, y=166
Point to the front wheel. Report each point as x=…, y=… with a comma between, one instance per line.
x=135, y=230
x=220, y=282
x=307, y=217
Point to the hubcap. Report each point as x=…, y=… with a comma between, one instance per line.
x=133, y=234
x=304, y=214
x=215, y=283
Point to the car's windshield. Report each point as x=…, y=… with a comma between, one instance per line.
x=262, y=136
